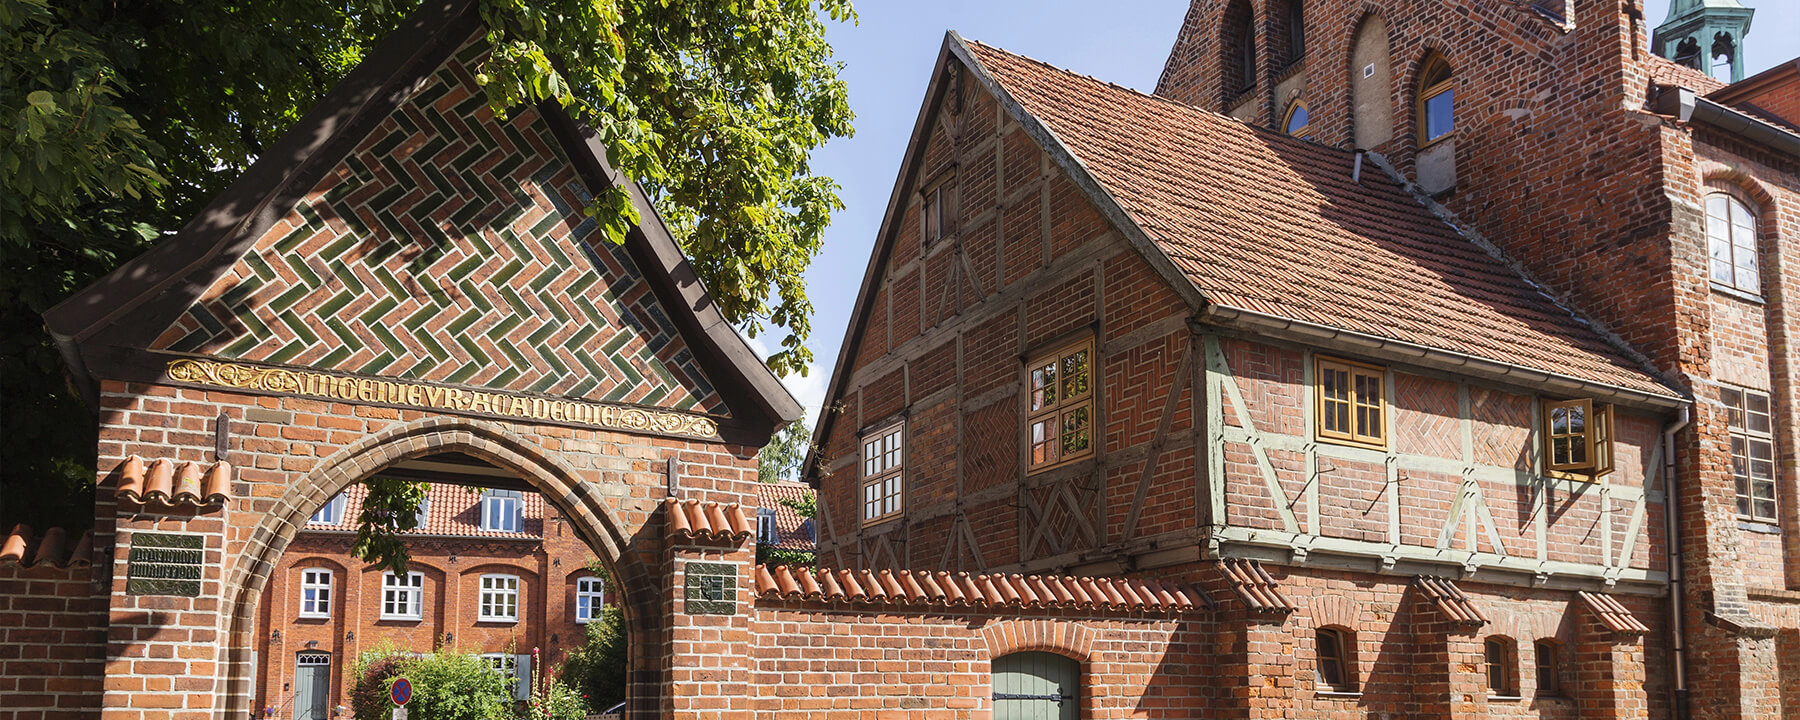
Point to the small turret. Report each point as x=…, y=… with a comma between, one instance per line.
x=1699, y=32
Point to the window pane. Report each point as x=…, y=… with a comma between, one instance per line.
x=1043, y=387
x=1297, y=121
x=1043, y=441
x=1440, y=114
x=1075, y=374
x=1075, y=431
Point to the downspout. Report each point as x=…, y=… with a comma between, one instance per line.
x=1677, y=647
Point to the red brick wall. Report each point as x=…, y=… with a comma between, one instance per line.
x=52, y=643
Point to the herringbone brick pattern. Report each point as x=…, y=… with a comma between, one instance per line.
x=451, y=246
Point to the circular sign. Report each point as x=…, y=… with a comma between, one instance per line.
x=401, y=691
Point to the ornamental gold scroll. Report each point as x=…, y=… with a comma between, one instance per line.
x=434, y=397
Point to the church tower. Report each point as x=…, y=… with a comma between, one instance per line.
x=1698, y=33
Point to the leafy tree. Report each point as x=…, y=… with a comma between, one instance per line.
x=781, y=458
x=391, y=508
x=597, y=668
x=125, y=118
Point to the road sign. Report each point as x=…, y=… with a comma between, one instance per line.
x=400, y=692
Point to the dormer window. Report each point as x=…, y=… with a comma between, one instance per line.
x=331, y=513
x=1436, y=99
x=500, y=510
x=1578, y=437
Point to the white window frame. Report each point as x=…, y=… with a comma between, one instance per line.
x=590, y=598
x=315, y=592
x=331, y=513
x=884, y=473
x=403, y=596
x=499, y=598
x=1732, y=250
x=502, y=511
x=767, y=532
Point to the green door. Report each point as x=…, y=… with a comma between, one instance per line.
x=312, y=687
x=1036, y=686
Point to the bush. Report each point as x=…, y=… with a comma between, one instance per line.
x=597, y=668
x=458, y=686
x=369, y=696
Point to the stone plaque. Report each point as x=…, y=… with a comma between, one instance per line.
x=711, y=589
x=163, y=564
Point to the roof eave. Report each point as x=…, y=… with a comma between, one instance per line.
x=1447, y=360
x=1686, y=105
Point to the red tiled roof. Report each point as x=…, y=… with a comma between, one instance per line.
x=792, y=532
x=1272, y=224
x=1255, y=586
x=163, y=482
x=1451, y=600
x=708, y=521
x=1613, y=615
x=952, y=589
x=1664, y=71
x=452, y=511
x=22, y=549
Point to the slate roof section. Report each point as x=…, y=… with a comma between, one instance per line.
x=450, y=511
x=162, y=482
x=23, y=549
x=792, y=532
x=1261, y=222
x=906, y=587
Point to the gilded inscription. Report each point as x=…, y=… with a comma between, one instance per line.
x=434, y=397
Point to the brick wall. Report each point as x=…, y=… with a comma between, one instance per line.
x=52, y=642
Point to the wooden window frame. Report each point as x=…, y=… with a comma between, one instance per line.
x=1744, y=437
x=937, y=209
x=1499, y=658
x=1059, y=407
x=1304, y=132
x=1353, y=398
x=1596, y=440
x=886, y=478
x=1733, y=245
x=1547, y=658
x=1338, y=655
x=1421, y=100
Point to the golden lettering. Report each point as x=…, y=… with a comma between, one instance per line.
x=518, y=408
x=478, y=404
x=414, y=393
x=557, y=409
x=434, y=396
x=365, y=390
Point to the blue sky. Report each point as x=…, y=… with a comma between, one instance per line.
x=888, y=58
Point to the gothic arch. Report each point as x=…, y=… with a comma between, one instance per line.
x=588, y=512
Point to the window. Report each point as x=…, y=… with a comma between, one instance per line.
x=936, y=211
x=500, y=598
x=1498, y=654
x=883, y=471
x=1238, y=38
x=1061, y=419
x=315, y=592
x=1296, y=28
x=331, y=513
x=402, y=596
x=500, y=510
x=1731, y=241
x=1437, y=99
x=1752, y=452
x=1578, y=437
x=1297, y=123
x=515, y=668
x=1549, y=670
x=1352, y=406
x=766, y=532
x=1335, y=673
x=590, y=598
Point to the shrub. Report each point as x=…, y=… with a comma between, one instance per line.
x=597, y=668
x=369, y=696
x=458, y=686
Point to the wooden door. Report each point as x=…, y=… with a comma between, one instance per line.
x=312, y=687
x=1036, y=686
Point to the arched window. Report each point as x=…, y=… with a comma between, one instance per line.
x=1296, y=29
x=1731, y=242
x=1036, y=686
x=1502, y=672
x=1296, y=123
x=1436, y=99
x=1336, y=671
x=1549, y=667
x=1238, y=35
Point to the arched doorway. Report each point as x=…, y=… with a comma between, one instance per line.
x=1036, y=686
x=489, y=456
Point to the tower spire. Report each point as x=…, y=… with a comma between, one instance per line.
x=1698, y=33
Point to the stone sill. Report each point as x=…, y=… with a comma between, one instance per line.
x=1737, y=294
x=1759, y=527
x=1335, y=695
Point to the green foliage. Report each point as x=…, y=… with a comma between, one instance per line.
x=391, y=508
x=369, y=695
x=806, y=507
x=781, y=458
x=449, y=685
x=597, y=668
x=549, y=698
x=123, y=119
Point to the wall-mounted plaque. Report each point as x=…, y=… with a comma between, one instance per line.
x=163, y=564
x=711, y=589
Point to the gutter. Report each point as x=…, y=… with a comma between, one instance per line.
x=1434, y=357
x=1677, y=646
x=1685, y=105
